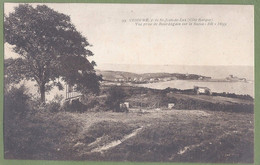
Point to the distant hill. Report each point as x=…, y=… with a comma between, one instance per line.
x=127, y=76
x=215, y=72
x=112, y=75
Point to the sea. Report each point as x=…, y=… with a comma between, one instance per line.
x=242, y=88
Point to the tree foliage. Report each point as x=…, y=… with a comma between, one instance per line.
x=50, y=49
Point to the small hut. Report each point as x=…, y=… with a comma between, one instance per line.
x=202, y=90
x=171, y=105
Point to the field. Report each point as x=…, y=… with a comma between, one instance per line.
x=141, y=135
x=215, y=128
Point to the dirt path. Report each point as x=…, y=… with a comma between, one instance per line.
x=192, y=147
x=116, y=142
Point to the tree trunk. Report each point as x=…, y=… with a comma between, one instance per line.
x=42, y=91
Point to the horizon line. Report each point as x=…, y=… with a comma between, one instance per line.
x=169, y=64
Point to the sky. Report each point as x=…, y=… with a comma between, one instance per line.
x=117, y=42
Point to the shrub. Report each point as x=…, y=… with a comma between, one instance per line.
x=16, y=102
x=53, y=107
x=16, y=108
x=74, y=106
x=191, y=104
x=55, y=104
x=116, y=95
x=92, y=102
x=233, y=95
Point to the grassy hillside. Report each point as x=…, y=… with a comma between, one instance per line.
x=168, y=136
x=186, y=99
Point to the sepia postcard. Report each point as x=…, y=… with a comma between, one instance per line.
x=117, y=82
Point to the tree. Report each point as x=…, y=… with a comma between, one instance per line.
x=50, y=49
